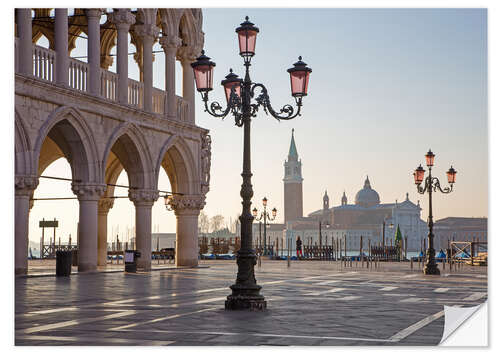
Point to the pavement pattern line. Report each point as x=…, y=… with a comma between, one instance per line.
x=76, y=322
x=416, y=326
x=441, y=290
x=335, y=290
x=267, y=335
x=475, y=296
x=169, y=317
x=96, y=340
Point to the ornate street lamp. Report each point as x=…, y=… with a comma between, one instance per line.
x=264, y=216
x=432, y=184
x=239, y=95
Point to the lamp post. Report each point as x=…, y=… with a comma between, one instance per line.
x=239, y=94
x=264, y=216
x=327, y=225
x=432, y=184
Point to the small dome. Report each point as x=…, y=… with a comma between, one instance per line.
x=367, y=196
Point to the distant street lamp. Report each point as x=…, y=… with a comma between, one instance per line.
x=239, y=93
x=432, y=184
x=327, y=225
x=264, y=216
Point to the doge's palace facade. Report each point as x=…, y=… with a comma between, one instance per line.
x=103, y=122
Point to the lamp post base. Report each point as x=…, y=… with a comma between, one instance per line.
x=431, y=269
x=245, y=294
x=245, y=302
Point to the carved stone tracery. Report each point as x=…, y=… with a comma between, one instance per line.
x=88, y=191
x=143, y=196
x=206, y=157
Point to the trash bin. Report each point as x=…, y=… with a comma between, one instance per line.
x=74, y=259
x=63, y=262
x=131, y=260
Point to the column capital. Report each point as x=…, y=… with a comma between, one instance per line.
x=94, y=12
x=104, y=205
x=187, y=204
x=187, y=54
x=147, y=31
x=122, y=18
x=170, y=42
x=87, y=191
x=25, y=185
x=143, y=197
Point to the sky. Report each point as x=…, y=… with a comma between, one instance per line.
x=386, y=85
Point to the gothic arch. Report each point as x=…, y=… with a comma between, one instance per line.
x=177, y=160
x=69, y=130
x=130, y=147
x=22, y=146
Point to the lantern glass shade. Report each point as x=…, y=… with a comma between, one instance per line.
x=254, y=212
x=299, y=78
x=451, y=173
x=231, y=81
x=419, y=175
x=264, y=201
x=247, y=40
x=275, y=211
x=247, y=37
x=429, y=158
x=203, y=73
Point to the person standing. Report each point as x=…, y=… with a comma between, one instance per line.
x=298, y=245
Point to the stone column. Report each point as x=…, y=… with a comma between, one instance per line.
x=143, y=200
x=148, y=34
x=187, y=208
x=24, y=32
x=170, y=45
x=24, y=187
x=88, y=196
x=122, y=18
x=187, y=56
x=94, y=49
x=62, y=61
x=103, y=207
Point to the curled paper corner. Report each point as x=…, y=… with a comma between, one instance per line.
x=454, y=317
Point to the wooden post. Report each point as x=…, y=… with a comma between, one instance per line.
x=406, y=247
x=43, y=238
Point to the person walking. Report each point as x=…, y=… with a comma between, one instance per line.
x=298, y=245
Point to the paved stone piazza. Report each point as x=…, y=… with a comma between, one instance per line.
x=311, y=303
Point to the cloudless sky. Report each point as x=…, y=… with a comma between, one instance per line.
x=387, y=85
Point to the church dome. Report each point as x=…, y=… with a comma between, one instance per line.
x=367, y=197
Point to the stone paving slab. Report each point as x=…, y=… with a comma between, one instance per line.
x=309, y=303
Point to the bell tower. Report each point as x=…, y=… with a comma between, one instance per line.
x=293, y=184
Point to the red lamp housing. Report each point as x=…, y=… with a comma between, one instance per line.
x=419, y=175
x=429, y=158
x=247, y=36
x=231, y=81
x=451, y=173
x=299, y=78
x=203, y=73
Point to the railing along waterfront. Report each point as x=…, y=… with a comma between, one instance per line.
x=43, y=63
x=78, y=75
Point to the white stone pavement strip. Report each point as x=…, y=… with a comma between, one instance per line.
x=161, y=319
x=317, y=293
x=76, y=322
x=292, y=337
x=475, y=296
x=412, y=299
x=327, y=282
x=94, y=340
x=388, y=288
x=441, y=290
x=416, y=326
